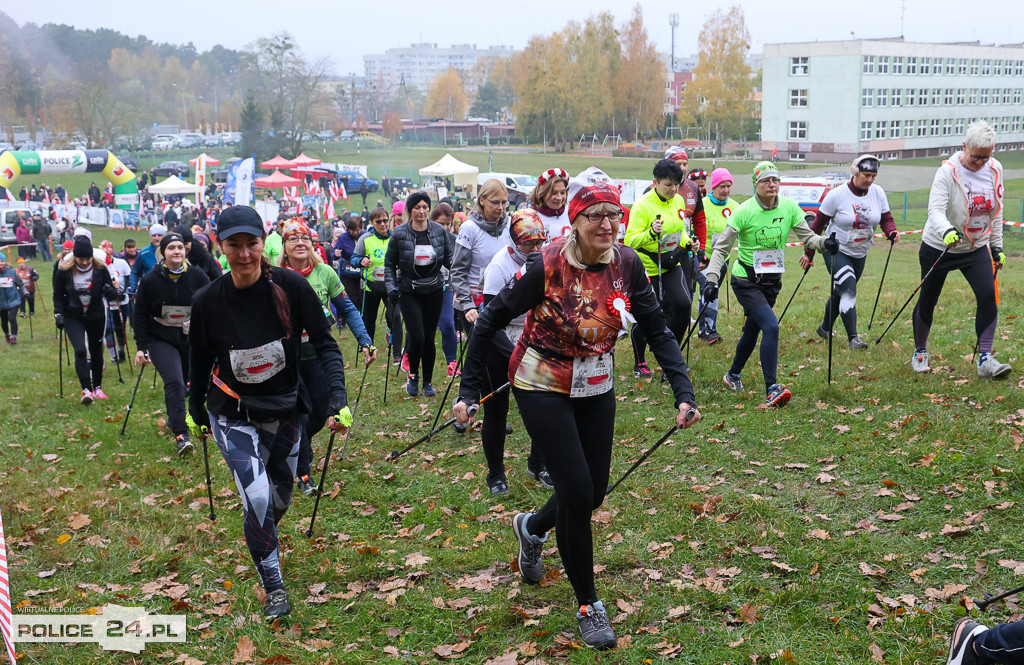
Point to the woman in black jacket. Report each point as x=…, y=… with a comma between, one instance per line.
x=244, y=338
x=412, y=272
x=197, y=254
x=80, y=283
x=163, y=306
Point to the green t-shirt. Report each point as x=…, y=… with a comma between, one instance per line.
x=375, y=248
x=759, y=229
x=273, y=247
x=716, y=216
x=325, y=282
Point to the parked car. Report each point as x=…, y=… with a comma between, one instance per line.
x=129, y=162
x=163, y=143
x=230, y=138
x=186, y=142
x=219, y=175
x=212, y=141
x=326, y=135
x=7, y=218
x=167, y=169
x=357, y=183
x=347, y=135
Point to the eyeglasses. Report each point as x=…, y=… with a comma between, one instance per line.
x=294, y=240
x=598, y=217
x=979, y=159
x=497, y=203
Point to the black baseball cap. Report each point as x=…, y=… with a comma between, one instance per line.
x=239, y=219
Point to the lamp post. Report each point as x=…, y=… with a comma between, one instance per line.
x=184, y=113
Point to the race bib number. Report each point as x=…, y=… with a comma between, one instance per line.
x=850, y=236
x=259, y=364
x=6, y=282
x=424, y=255
x=769, y=261
x=669, y=242
x=592, y=375
x=377, y=273
x=174, y=316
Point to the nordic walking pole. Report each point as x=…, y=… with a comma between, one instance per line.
x=132, y=401
x=31, y=334
x=67, y=356
x=60, y=362
x=988, y=599
x=387, y=365
x=395, y=454
x=831, y=314
x=355, y=408
x=923, y=279
x=444, y=400
x=320, y=487
x=882, y=281
x=809, y=266
x=117, y=363
x=689, y=416
x=206, y=461
x=124, y=336
x=661, y=288
x=700, y=314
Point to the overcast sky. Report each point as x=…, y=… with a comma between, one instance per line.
x=345, y=31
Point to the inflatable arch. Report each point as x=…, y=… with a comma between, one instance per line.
x=31, y=162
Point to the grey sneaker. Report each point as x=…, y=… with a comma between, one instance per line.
x=733, y=381
x=541, y=476
x=277, y=604
x=531, y=568
x=991, y=368
x=184, y=445
x=961, y=642
x=597, y=632
x=919, y=361
x=498, y=485
x=856, y=343
x=822, y=333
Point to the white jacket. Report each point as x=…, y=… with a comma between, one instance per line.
x=948, y=207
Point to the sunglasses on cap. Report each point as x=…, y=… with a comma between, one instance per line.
x=869, y=165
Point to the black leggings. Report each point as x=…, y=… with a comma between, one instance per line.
x=87, y=340
x=676, y=305
x=29, y=301
x=171, y=363
x=845, y=274
x=311, y=423
x=371, y=301
x=9, y=317
x=574, y=439
x=757, y=300
x=421, y=313
x=976, y=266
x=351, y=283
x=492, y=433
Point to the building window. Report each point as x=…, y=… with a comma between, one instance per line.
x=950, y=66
x=972, y=99
x=947, y=98
x=867, y=97
x=922, y=128
x=926, y=66
x=869, y=65
x=974, y=67
x=984, y=96
x=798, y=66
x=1018, y=69
x=865, y=131
x=936, y=96
x=986, y=68
x=797, y=98
x=922, y=97
x=961, y=67
x=911, y=65
x=881, y=130
x=798, y=130
x=883, y=64
x=935, y=127
x=897, y=64
x=896, y=129
x=797, y=156
x=1016, y=123
x=897, y=97
x=960, y=124
x=1017, y=96
x=947, y=126
x=997, y=70
x=883, y=96
x=1007, y=94
x=911, y=97
x=961, y=96
x=894, y=155
x=1006, y=124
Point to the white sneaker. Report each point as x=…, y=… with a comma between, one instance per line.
x=919, y=361
x=993, y=369
x=87, y=397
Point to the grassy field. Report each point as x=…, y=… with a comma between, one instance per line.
x=849, y=527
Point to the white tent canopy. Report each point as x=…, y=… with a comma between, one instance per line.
x=462, y=174
x=174, y=185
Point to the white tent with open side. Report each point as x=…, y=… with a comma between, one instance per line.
x=462, y=174
x=174, y=185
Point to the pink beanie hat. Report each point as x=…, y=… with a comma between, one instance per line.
x=718, y=176
x=398, y=208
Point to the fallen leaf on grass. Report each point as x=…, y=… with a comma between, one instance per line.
x=877, y=653
x=748, y=613
x=244, y=650
x=820, y=534
x=452, y=650
x=871, y=571
x=63, y=538
x=78, y=521
x=46, y=573
x=954, y=531
x=507, y=658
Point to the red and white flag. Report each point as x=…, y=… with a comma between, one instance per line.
x=6, y=617
x=46, y=196
x=299, y=208
x=312, y=187
x=10, y=196
x=328, y=207
x=339, y=188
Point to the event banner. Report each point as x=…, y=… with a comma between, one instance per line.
x=14, y=163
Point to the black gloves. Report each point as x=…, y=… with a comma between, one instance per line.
x=702, y=259
x=710, y=291
x=393, y=297
x=59, y=320
x=832, y=245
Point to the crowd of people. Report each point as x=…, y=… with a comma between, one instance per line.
x=529, y=304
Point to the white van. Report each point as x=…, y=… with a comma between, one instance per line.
x=517, y=182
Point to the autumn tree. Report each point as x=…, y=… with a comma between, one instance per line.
x=639, y=85
x=718, y=99
x=446, y=97
x=391, y=126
